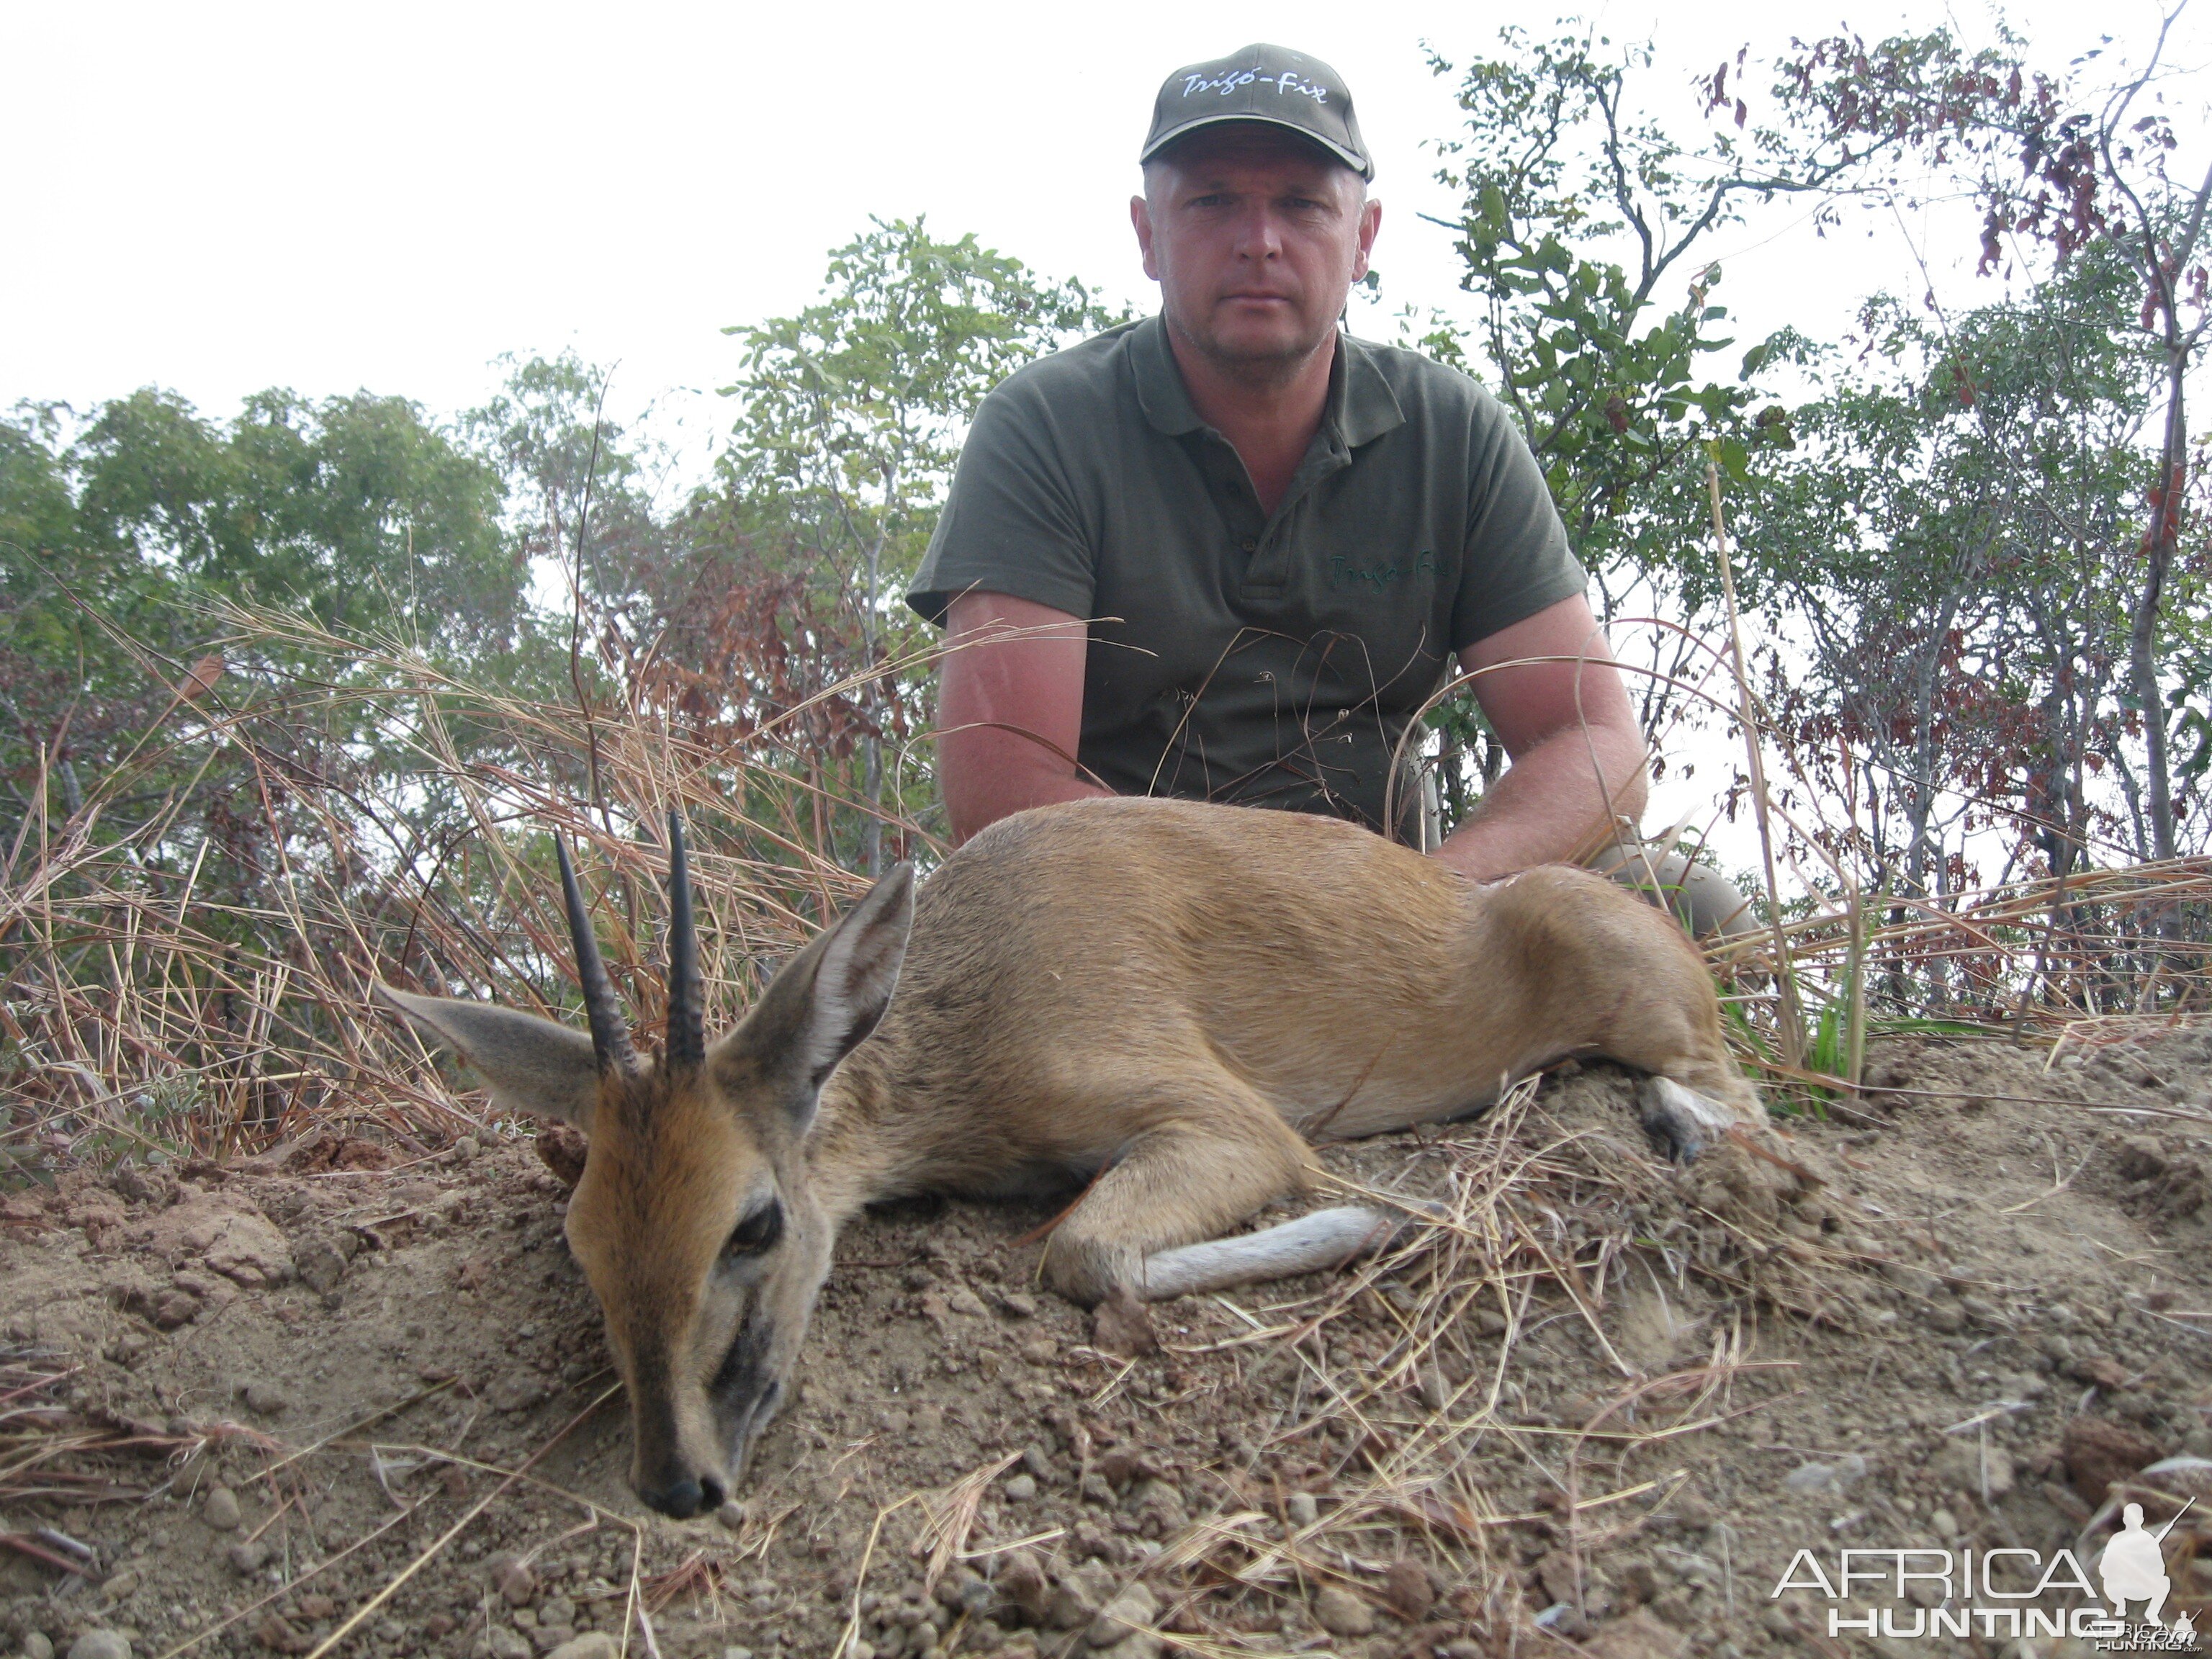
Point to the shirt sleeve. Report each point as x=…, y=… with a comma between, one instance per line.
x=1012, y=522
x=1515, y=562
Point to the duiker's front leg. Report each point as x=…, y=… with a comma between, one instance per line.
x=1147, y=1227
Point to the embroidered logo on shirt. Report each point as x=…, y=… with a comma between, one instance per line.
x=1343, y=573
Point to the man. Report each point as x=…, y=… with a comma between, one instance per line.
x=1228, y=551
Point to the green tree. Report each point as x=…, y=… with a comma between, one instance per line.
x=851, y=415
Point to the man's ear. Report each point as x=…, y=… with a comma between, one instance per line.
x=533, y=1066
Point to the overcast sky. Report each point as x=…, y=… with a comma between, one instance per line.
x=218, y=198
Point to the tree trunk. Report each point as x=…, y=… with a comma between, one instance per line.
x=2142, y=635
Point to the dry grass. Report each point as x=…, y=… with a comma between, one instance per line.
x=401, y=819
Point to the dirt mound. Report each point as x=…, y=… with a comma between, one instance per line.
x=252, y=1410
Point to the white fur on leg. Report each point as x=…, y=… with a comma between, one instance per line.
x=1327, y=1238
x=1685, y=1121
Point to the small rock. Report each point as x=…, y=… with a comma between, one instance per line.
x=961, y=1300
x=1021, y=1489
x=1826, y=1477
x=1022, y=1586
x=100, y=1645
x=1943, y=1316
x=1965, y=1466
x=267, y=1399
x=732, y=1514
x=1341, y=1613
x=1408, y=1590
x=249, y=1557
x=36, y=1645
x=1138, y=1644
x=592, y=1645
x=553, y=1610
x=517, y=1584
x=173, y=1309
x=1133, y=1608
x=737, y=1653
x=1034, y=1461
x=508, y=1642
x=1639, y=1635
x=1080, y=1595
x=321, y=1266
x=220, y=1510
x=1943, y=1523
x=2139, y=1158
x=2098, y=1453
x=1301, y=1509
x=1016, y=1305
x=1040, y=1351
x=1122, y=1326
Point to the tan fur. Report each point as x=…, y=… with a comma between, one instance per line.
x=1162, y=999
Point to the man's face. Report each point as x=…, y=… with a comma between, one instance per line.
x=1255, y=237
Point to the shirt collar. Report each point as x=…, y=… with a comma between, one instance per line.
x=1361, y=405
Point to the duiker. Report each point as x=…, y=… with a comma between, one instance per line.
x=1149, y=999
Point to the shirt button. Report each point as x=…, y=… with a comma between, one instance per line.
x=1251, y=546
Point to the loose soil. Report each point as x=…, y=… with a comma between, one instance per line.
x=332, y=1391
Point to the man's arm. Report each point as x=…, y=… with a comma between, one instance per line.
x=1550, y=807
x=1010, y=709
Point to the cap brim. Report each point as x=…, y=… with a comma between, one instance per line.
x=1359, y=164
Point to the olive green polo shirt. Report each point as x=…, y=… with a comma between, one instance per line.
x=1236, y=655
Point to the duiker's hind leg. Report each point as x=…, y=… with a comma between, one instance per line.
x=1147, y=1227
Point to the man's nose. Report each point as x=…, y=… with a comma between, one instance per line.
x=1258, y=235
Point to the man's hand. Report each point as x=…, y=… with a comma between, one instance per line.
x=1577, y=754
x=1010, y=709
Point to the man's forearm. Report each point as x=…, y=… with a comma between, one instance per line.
x=1550, y=807
x=988, y=773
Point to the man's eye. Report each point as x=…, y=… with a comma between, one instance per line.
x=757, y=1232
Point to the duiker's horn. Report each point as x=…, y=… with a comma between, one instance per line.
x=687, y=1032
x=610, y=1030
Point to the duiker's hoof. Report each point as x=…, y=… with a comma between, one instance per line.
x=1122, y=1326
x=1680, y=1121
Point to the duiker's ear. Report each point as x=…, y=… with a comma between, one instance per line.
x=825, y=1000
x=533, y=1065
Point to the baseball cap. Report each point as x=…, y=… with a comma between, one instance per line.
x=1261, y=84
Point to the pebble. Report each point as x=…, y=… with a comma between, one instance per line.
x=593, y=1645
x=1490, y=1321
x=266, y=1398
x=961, y=1300
x=1017, y=1305
x=1301, y=1509
x=1133, y=1608
x=1034, y=1461
x=1408, y=1591
x=1021, y=1489
x=737, y=1653
x=1022, y=1585
x=1341, y=1613
x=36, y=1645
x=517, y=1583
x=249, y=1557
x=1945, y=1523
x=1081, y=1594
x=1826, y=1477
x=100, y=1645
x=220, y=1510
x=732, y=1514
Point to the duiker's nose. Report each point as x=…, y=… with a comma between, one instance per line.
x=684, y=1496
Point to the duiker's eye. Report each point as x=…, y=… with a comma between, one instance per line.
x=758, y=1232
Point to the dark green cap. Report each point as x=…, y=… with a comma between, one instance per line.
x=1261, y=84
